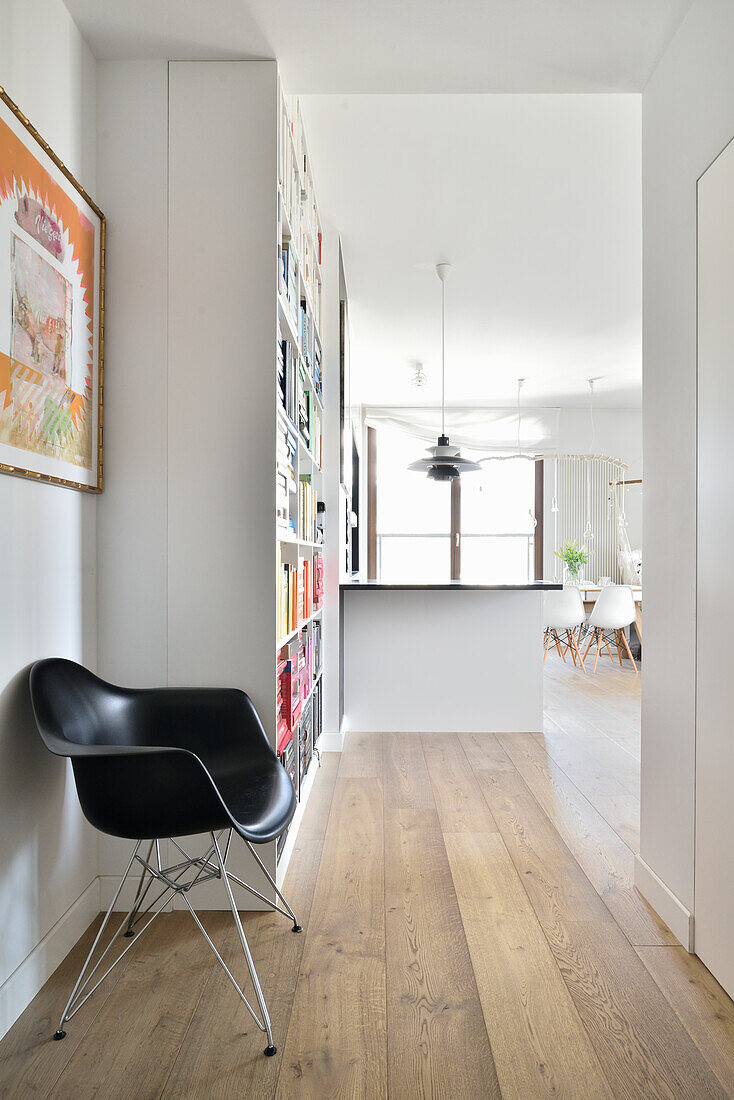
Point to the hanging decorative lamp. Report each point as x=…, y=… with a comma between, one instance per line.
x=445, y=463
x=589, y=530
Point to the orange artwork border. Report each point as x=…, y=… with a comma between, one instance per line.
x=22, y=166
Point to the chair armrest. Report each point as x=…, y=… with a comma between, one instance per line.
x=148, y=791
x=212, y=723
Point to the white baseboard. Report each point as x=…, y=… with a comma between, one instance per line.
x=331, y=742
x=665, y=903
x=109, y=883
x=19, y=989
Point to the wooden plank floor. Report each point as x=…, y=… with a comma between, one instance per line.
x=471, y=931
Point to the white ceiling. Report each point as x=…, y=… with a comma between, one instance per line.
x=404, y=46
x=535, y=201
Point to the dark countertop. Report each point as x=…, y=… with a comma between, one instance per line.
x=372, y=586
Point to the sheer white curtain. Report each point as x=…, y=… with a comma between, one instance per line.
x=484, y=431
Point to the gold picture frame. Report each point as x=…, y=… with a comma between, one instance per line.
x=52, y=342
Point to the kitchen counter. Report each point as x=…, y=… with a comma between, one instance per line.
x=442, y=658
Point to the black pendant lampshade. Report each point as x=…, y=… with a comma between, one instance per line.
x=445, y=463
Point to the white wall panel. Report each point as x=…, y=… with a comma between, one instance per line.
x=688, y=117
x=714, y=897
x=48, y=855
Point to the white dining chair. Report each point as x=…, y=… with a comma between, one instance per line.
x=613, y=612
x=563, y=614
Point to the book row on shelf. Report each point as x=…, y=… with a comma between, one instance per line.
x=296, y=396
x=300, y=315
x=287, y=360
x=298, y=511
x=309, y=419
x=299, y=200
x=311, y=347
x=300, y=592
x=298, y=752
x=298, y=668
x=285, y=477
x=299, y=702
x=307, y=505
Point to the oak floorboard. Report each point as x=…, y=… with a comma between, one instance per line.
x=644, y=1048
x=336, y=1044
x=459, y=801
x=30, y=1061
x=438, y=1047
x=644, y=1051
x=539, y=1044
x=405, y=779
x=699, y=1002
x=605, y=859
x=361, y=756
x=129, y=1052
x=606, y=704
x=223, y=1048
x=566, y=730
x=557, y=887
x=600, y=787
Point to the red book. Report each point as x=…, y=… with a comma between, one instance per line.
x=284, y=735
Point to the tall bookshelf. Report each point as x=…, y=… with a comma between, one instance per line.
x=246, y=413
x=299, y=460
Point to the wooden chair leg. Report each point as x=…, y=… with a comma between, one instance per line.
x=606, y=643
x=570, y=645
x=619, y=647
x=598, y=648
x=629, y=653
x=578, y=651
x=547, y=643
x=591, y=642
x=558, y=646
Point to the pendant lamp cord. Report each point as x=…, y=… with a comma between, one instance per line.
x=589, y=533
x=555, y=515
x=443, y=357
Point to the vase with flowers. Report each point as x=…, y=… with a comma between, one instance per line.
x=574, y=558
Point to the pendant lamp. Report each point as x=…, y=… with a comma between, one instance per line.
x=445, y=462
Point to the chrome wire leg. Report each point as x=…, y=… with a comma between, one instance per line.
x=296, y=926
x=81, y=991
x=66, y=1015
x=270, y=1048
x=139, y=896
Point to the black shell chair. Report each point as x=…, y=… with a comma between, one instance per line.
x=161, y=763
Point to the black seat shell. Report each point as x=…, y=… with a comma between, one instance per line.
x=160, y=762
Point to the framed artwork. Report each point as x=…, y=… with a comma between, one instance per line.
x=52, y=246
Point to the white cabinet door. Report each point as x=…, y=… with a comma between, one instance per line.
x=714, y=883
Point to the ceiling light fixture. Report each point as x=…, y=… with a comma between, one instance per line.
x=445, y=463
x=420, y=377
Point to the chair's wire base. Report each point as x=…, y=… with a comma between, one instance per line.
x=564, y=640
x=605, y=635
x=179, y=879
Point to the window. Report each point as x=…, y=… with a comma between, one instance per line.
x=413, y=528
x=497, y=529
x=413, y=515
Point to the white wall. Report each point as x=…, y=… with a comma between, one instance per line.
x=714, y=885
x=617, y=433
x=132, y=186
x=688, y=116
x=48, y=856
x=152, y=592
